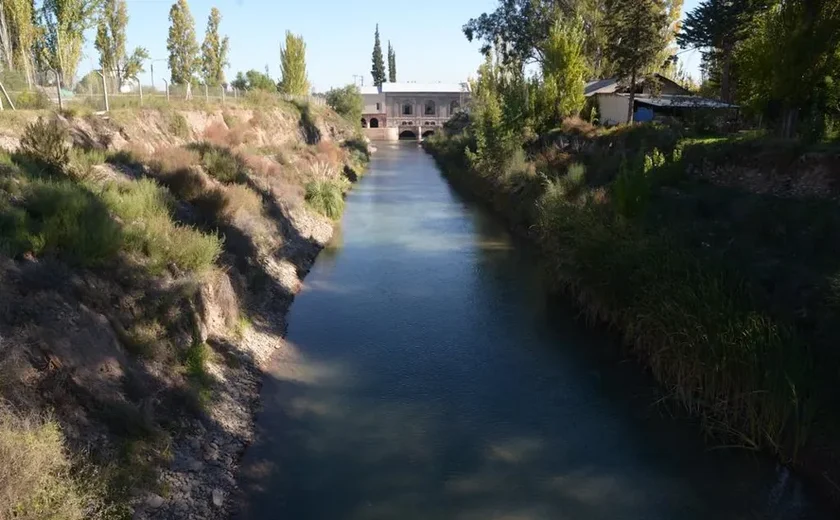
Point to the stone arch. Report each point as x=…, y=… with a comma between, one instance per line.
x=364, y=123
x=429, y=108
x=454, y=107
x=374, y=123
x=408, y=134
x=427, y=133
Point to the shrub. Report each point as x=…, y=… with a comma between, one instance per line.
x=14, y=230
x=347, y=102
x=631, y=190
x=44, y=143
x=33, y=100
x=178, y=126
x=325, y=197
x=223, y=165
x=69, y=221
x=144, y=209
x=35, y=473
x=82, y=162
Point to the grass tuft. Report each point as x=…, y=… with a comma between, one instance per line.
x=325, y=197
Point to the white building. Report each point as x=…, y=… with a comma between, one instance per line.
x=410, y=110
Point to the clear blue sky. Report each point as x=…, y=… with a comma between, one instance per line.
x=426, y=35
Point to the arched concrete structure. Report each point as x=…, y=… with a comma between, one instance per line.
x=374, y=123
x=427, y=133
x=408, y=134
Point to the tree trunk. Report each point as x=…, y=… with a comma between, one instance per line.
x=726, y=74
x=632, y=100
x=5, y=41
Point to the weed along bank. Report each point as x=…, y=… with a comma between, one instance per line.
x=152, y=276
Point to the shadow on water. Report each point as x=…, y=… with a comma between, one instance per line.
x=430, y=376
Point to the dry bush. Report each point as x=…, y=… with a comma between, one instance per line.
x=578, y=127
x=35, y=472
x=239, y=134
x=177, y=169
x=241, y=199
x=217, y=134
x=330, y=152
x=282, y=182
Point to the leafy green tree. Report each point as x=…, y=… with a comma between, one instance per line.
x=347, y=101
x=110, y=42
x=635, y=34
x=214, y=52
x=524, y=26
x=564, y=73
x=378, y=68
x=254, y=80
x=717, y=27
x=17, y=35
x=293, y=66
x=63, y=26
x=789, y=65
x=392, y=64
x=182, y=46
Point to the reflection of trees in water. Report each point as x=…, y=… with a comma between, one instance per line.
x=333, y=248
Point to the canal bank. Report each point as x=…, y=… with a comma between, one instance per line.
x=428, y=375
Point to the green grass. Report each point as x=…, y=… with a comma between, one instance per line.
x=223, y=165
x=36, y=475
x=694, y=319
x=145, y=210
x=325, y=197
x=178, y=125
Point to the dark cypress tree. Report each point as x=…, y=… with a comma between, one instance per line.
x=392, y=64
x=378, y=68
x=634, y=35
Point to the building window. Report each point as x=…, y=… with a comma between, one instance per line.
x=374, y=123
x=364, y=123
x=430, y=109
x=407, y=109
x=453, y=107
x=378, y=107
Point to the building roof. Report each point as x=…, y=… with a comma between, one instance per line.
x=600, y=86
x=682, y=102
x=612, y=85
x=417, y=88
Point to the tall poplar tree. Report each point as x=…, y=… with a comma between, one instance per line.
x=110, y=42
x=392, y=64
x=64, y=23
x=293, y=66
x=378, y=68
x=17, y=35
x=182, y=46
x=214, y=52
x=634, y=30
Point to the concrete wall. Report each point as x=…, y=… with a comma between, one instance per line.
x=382, y=134
x=612, y=109
x=370, y=103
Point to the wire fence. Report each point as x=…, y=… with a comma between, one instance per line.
x=44, y=98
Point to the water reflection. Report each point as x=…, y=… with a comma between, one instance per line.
x=428, y=377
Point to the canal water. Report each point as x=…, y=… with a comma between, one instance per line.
x=430, y=376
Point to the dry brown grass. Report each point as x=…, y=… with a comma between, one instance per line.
x=35, y=472
x=217, y=133
x=282, y=182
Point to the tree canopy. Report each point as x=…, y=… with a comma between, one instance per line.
x=294, y=80
x=378, y=64
x=214, y=51
x=181, y=44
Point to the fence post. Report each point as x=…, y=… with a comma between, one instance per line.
x=223, y=94
x=58, y=90
x=206, y=94
x=140, y=86
x=7, y=97
x=105, y=91
x=235, y=93
x=167, y=90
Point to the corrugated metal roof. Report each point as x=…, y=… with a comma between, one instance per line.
x=447, y=88
x=601, y=86
x=682, y=102
x=417, y=88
